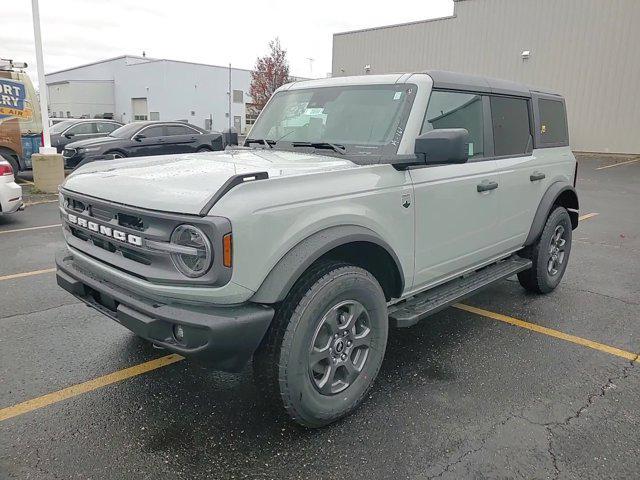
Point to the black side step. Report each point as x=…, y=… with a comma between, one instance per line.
x=411, y=311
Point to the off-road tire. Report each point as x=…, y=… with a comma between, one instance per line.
x=281, y=364
x=539, y=279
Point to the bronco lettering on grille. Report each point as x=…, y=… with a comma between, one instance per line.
x=105, y=230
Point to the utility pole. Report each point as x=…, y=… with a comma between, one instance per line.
x=230, y=93
x=42, y=84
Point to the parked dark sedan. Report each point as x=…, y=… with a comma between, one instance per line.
x=141, y=139
x=74, y=129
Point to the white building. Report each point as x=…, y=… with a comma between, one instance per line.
x=130, y=88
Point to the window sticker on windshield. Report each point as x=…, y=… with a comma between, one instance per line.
x=313, y=111
x=397, y=96
x=471, y=149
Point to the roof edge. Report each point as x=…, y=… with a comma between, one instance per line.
x=97, y=62
x=416, y=22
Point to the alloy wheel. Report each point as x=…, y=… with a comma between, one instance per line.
x=340, y=347
x=556, y=251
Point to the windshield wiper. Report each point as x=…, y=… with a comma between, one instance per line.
x=333, y=146
x=263, y=141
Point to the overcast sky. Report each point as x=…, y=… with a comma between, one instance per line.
x=216, y=32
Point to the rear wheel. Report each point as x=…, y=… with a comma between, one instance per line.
x=550, y=254
x=326, y=344
x=116, y=154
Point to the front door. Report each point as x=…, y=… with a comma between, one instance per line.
x=456, y=206
x=153, y=142
x=237, y=123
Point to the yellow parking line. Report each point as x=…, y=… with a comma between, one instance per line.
x=587, y=216
x=80, y=388
x=30, y=228
x=550, y=332
x=619, y=163
x=27, y=274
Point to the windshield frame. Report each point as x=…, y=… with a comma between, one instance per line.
x=352, y=150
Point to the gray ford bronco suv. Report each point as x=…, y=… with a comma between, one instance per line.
x=356, y=204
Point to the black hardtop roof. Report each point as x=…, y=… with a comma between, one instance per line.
x=476, y=83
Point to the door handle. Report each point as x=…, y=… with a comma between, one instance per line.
x=535, y=176
x=486, y=186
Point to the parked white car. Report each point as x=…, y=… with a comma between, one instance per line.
x=10, y=191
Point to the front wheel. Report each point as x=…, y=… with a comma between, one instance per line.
x=326, y=344
x=550, y=254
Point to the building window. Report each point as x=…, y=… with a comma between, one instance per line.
x=154, y=115
x=457, y=110
x=511, y=130
x=140, y=118
x=238, y=96
x=553, y=122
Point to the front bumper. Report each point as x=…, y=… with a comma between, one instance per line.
x=72, y=158
x=223, y=337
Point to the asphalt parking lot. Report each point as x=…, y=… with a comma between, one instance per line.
x=508, y=385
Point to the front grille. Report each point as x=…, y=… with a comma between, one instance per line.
x=96, y=222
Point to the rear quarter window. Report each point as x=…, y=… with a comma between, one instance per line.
x=553, y=123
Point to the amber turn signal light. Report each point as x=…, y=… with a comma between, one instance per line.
x=227, y=250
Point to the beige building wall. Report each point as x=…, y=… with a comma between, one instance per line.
x=587, y=50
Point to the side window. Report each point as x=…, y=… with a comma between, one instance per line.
x=178, y=130
x=106, y=127
x=553, y=122
x=457, y=110
x=511, y=130
x=82, y=128
x=156, y=131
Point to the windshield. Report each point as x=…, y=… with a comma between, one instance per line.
x=364, y=119
x=61, y=126
x=126, y=131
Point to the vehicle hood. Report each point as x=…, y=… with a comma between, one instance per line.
x=93, y=142
x=185, y=183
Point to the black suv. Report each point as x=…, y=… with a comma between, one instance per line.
x=141, y=139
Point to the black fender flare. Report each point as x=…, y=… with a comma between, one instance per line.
x=549, y=199
x=293, y=264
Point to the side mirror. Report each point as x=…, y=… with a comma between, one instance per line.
x=446, y=145
x=69, y=135
x=139, y=137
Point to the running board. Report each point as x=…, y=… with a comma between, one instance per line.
x=411, y=311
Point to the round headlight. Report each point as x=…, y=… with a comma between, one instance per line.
x=195, y=258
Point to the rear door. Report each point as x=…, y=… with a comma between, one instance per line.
x=456, y=206
x=523, y=176
x=181, y=139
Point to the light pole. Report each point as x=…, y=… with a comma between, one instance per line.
x=44, y=113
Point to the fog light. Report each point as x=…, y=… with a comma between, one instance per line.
x=178, y=332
